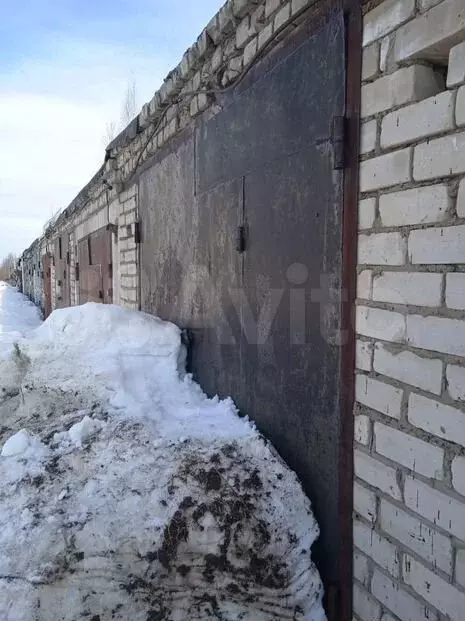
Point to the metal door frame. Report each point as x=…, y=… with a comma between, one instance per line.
x=338, y=605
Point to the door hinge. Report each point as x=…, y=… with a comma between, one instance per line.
x=338, y=132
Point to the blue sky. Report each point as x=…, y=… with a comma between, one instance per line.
x=64, y=70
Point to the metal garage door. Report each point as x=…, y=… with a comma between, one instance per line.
x=241, y=221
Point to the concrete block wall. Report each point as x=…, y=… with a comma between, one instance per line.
x=128, y=249
x=409, y=489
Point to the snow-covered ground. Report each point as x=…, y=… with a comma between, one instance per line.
x=126, y=493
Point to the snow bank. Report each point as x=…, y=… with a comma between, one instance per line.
x=128, y=494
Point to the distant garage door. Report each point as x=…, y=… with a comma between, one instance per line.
x=95, y=267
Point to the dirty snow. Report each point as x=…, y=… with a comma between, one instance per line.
x=127, y=493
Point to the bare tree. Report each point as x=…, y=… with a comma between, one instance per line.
x=129, y=110
x=8, y=267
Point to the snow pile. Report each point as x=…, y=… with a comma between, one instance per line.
x=127, y=494
x=17, y=314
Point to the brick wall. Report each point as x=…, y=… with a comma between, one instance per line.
x=409, y=523
x=128, y=249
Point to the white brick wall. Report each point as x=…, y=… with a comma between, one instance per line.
x=427, y=542
x=380, y=324
x=403, y=86
x=378, y=395
x=365, y=606
x=376, y=547
x=382, y=249
x=439, y=158
x=365, y=502
x=456, y=381
x=385, y=170
x=455, y=291
x=385, y=18
x=416, y=288
x=436, y=418
x=377, y=474
x=398, y=600
x=415, y=206
x=443, y=596
x=456, y=66
x=409, y=368
x=409, y=451
x=431, y=116
x=409, y=492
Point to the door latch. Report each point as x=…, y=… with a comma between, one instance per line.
x=241, y=239
x=338, y=131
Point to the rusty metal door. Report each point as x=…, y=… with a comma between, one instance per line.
x=62, y=279
x=242, y=245
x=47, y=266
x=95, y=270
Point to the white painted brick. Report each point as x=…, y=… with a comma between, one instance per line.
x=361, y=568
x=456, y=66
x=282, y=16
x=399, y=601
x=380, y=324
x=364, y=605
x=366, y=213
x=382, y=249
x=363, y=353
x=458, y=474
x=368, y=136
x=431, y=35
x=297, y=5
x=437, y=245
x=456, y=382
x=271, y=6
x=385, y=18
x=436, y=418
x=408, y=451
x=427, y=118
x=370, y=61
x=409, y=368
x=365, y=502
x=455, y=290
x=436, y=333
x=377, y=474
x=362, y=429
x=378, y=395
x=129, y=255
x=385, y=170
x=440, y=157
x=265, y=35
x=439, y=593
x=460, y=567
x=418, y=288
x=376, y=547
x=364, y=280
x=385, y=47
x=417, y=536
x=460, y=107
x=440, y=509
x=461, y=199
x=425, y=5
x=404, y=86
x=416, y=206
x=250, y=50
